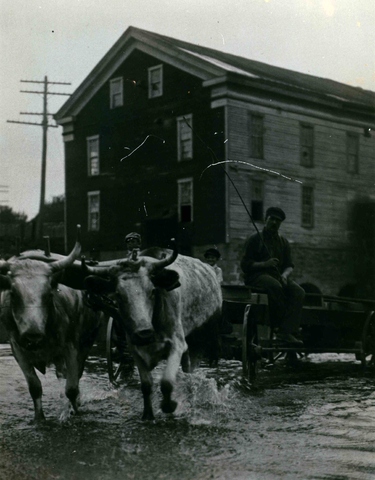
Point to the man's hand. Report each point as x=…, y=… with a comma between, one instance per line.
x=284, y=280
x=272, y=262
x=284, y=276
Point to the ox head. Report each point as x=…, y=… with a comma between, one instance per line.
x=139, y=283
x=29, y=286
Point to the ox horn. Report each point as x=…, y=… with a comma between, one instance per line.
x=87, y=270
x=47, y=247
x=164, y=262
x=73, y=255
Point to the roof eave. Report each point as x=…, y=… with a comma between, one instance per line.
x=287, y=90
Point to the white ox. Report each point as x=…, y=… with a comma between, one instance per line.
x=48, y=323
x=168, y=314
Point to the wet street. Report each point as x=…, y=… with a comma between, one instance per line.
x=313, y=421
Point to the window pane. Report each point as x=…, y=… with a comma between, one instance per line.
x=93, y=156
x=256, y=132
x=185, y=138
x=257, y=200
x=307, y=145
x=185, y=192
x=307, y=206
x=155, y=81
x=94, y=205
x=116, y=97
x=185, y=200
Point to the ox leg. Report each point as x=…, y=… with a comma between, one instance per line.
x=72, y=377
x=169, y=376
x=146, y=387
x=33, y=382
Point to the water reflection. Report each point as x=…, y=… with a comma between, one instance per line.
x=316, y=420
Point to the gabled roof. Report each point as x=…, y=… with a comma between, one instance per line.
x=207, y=64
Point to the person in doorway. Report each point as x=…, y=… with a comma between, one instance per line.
x=212, y=256
x=133, y=241
x=267, y=265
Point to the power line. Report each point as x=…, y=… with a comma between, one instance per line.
x=45, y=125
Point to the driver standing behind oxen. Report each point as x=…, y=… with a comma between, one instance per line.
x=267, y=265
x=133, y=240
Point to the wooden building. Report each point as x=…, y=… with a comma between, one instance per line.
x=155, y=112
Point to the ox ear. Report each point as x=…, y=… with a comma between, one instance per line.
x=166, y=279
x=5, y=282
x=55, y=279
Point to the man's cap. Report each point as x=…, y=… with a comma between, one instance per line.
x=276, y=212
x=212, y=252
x=133, y=236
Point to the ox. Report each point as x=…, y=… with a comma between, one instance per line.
x=47, y=322
x=167, y=314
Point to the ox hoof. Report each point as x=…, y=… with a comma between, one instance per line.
x=148, y=416
x=38, y=419
x=168, y=406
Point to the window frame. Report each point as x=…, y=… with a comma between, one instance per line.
x=90, y=196
x=255, y=182
x=90, y=157
x=181, y=121
x=151, y=91
x=305, y=144
x=112, y=95
x=180, y=203
x=349, y=155
x=311, y=190
x=256, y=140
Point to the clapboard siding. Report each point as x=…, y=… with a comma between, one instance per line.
x=333, y=185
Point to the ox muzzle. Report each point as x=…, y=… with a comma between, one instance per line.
x=32, y=340
x=32, y=333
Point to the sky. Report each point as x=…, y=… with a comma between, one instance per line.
x=65, y=39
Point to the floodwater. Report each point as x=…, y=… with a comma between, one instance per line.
x=315, y=420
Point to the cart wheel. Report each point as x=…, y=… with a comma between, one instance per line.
x=250, y=356
x=114, y=365
x=368, y=340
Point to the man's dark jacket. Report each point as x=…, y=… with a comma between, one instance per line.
x=260, y=248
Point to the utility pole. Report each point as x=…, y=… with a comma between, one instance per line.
x=45, y=125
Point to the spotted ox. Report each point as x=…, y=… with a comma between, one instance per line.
x=167, y=313
x=47, y=323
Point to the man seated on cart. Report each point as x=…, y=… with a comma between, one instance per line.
x=267, y=265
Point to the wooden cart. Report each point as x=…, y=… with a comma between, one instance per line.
x=329, y=324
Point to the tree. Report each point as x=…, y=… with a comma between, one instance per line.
x=8, y=215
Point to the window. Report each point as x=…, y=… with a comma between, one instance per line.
x=256, y=199
x=155, y=81
x=93, y=155
x=256, y=135
x=352, y=152
x=185, y=200
x=307, y=145
x=307, y=206
x=93, y=211
x=185, y=137
x=115, y=92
